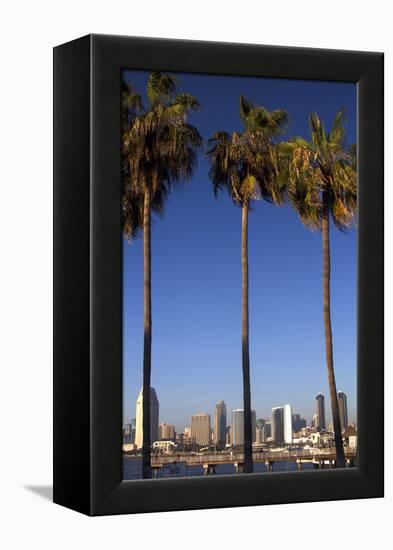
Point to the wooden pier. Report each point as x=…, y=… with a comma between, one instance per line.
x=321, y=458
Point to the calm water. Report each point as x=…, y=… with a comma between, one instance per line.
x=132, y=469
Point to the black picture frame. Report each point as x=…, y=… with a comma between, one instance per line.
x=88, y=275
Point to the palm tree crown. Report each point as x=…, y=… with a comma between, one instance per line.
x=245, y=163
x=320, y=172
x=159, y=146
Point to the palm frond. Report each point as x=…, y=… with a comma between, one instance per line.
x=245, y=164
x=336, y=135
x=320, y=168
x=188, y=102
x=159, y=149
x=160, y=87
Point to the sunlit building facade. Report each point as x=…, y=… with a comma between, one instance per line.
x=154, y=412
x=200, y=428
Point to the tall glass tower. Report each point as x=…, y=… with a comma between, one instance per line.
x=343, y=409
x=320, y=412
x=220, y=424
x=282, y=424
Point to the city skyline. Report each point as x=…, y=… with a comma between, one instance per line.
x=288, y=411
x=196, y=340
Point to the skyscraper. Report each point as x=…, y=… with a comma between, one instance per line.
x=133, y=430
x=200, y=428
x=154, y=411
x=320, y=412
x=260, y=423
x=298, y=423
x=343, y=409
x=259, y=436
x=266, y=431
x=238, y=426
x=282, y=424
x=228, y=436
x=278, y=425
x=129, y=432
x=166, y=432
x=287, y=424
x=220, y=424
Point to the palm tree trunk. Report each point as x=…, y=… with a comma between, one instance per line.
x=248, y=464
x=146, y=449
x=340, y=459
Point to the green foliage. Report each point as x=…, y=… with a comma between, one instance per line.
x=320, y=173
x=245, y=164
x=159, y=148
x=160, y=88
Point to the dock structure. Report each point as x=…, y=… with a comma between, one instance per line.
x=324, y=458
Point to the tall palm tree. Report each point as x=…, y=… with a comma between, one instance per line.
x=159, y=150
x=320, y=177
x=244, y=165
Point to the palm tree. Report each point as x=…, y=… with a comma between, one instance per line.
x=159, y=150
x=244, y=165
x=320, y=177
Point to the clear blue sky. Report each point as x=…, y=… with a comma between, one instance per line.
x=196, y=278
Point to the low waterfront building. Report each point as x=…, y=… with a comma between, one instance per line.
x=128, y=447
x=165, y=446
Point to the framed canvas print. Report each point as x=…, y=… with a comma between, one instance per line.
x=218, y=275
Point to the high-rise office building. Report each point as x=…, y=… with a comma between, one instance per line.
x=298, y=423
x=266, y=431
x=287, y=424
x=200, y=428
x=133, y=430
x=220, y=424
x=320, y=412
x=343, y=409
x=166, y=432
x=282, y=425
x=260, y=423
x=228, y=436
x=154, y=411
x=238, y=426
x=127, y=433
x=278, y=425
